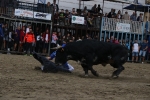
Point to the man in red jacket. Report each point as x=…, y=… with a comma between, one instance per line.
x=30, y=39
x=22, y=34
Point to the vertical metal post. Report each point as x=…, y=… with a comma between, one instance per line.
x=101, y=27
x=51, y=27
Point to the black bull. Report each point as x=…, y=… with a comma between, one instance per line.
x=92, y=52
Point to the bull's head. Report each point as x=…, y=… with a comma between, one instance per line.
x=61, y=56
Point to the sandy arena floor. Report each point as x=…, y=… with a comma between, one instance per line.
x=20, y=81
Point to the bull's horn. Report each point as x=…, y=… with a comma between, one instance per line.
x=55, y=48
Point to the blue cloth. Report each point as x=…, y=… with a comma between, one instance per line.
x=53, y=55
x=1, y=31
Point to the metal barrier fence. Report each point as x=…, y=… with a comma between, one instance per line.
x=135, y=26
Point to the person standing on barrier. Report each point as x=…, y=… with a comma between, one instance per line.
x=143, y=49
x=135, y=51
x=30, y=39
x=55, y=7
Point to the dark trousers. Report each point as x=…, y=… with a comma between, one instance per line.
x=28, y=46
x=49, y=66
x=1, y=42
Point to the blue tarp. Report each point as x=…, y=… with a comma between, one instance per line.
x=138, y=7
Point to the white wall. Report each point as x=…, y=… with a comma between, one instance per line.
x=69, y=4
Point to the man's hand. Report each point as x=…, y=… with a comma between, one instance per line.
x=49, y=58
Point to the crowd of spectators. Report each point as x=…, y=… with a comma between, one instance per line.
x=125, y=16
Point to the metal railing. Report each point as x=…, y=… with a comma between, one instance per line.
x=110, y=24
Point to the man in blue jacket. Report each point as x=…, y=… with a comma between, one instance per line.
x=49, y=66
x=66, y=65
x=1, y=36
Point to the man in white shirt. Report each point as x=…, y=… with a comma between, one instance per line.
x=135, y=51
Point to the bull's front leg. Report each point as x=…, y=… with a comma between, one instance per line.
x=93, y=71
x=118, y=71
x=85, y=68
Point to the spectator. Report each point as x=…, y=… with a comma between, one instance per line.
x=59, y=41
x=114, y=14
x=135, y=51
x=68, y=37
x=5, y=38
x=110, y=14
x=30, y=39
x=123, y=43
x=22, y=34
x=3, y=4
x=89, y=20
x=28, y=28
x=102, y=39
x=133, y=17
x=62, y=16
x=140, y=17
x=106, y=14
x=49, y=8
x=112, y=39
x=107, y=40
x=94, y=8
x=143, y=49
x=1, y=36
x=15, y=5
x=99, y=9
x=54, y=40
x=119, y=16
x=41, y=42
x=79, y=39
x=10, y=39
x=46, y=37
x=115, y=41
x=38, y=39
x=56, y=17
x=73, y=11
x=16, y=38
x=55, y=6
x=67, y=17
x=126, y=16
x=85, y=10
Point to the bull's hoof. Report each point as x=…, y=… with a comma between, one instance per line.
x=86, y=75
x=95, y=74
x=114, y=76
x=37, y=68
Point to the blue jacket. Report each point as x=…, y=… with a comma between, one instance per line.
x=1, y=31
